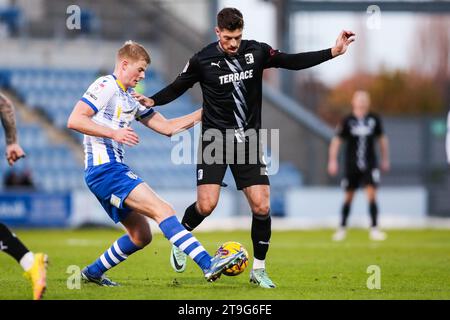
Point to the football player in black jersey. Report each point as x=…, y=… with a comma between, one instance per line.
x=34, y=264
x=230, y=74
x=361, y=130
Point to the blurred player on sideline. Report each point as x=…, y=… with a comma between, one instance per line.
x=360, y=131
x=230, y=73
x=104, y=115
x=34, y=264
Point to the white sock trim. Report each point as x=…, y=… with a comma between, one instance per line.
x=119, y=252
x=259, y=264
x=112, y=256
x=178, y=236
x=105, y=262
x=187, y=243
x=196, y=252
x=27, y=261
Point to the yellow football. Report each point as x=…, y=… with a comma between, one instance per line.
x=232, y=247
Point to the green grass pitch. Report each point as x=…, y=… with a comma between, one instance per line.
x=414, y=264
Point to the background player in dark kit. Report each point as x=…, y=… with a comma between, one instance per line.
x=360, y=130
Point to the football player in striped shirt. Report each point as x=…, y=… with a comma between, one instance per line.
x=104, y=115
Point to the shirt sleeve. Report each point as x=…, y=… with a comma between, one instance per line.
x=143, y=113
x=185, y=80
x=379, y=131
x=342, y=129
x=297, y=61
x=448, y=138
x=269, y=54
x=99, y=93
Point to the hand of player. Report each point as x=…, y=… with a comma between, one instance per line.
x=385, y=165
x=332, y=168
x=342, y=42
x=13, y=153
x=144, y=100
x=126, y=136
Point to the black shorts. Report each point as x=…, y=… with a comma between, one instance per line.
x=246, y=161
x=355, y=179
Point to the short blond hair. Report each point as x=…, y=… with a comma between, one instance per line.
x=133, y=51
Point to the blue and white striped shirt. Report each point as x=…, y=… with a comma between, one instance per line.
x=114, y=108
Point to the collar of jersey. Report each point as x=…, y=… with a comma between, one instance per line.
x=221, y=50
x=119, y=83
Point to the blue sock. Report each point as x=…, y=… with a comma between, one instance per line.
x=118, y=252
x=184, y=240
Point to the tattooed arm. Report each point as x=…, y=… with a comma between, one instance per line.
x=13, y=150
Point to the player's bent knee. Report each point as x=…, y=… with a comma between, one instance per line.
x=261, y=210
x=145, y=239
x=142, y=239
x=205, y=208
x=159, y=211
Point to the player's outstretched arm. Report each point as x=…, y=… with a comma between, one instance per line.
x=169, y=127
x=185, y=80
x=333, y=155
x=81, y=120
x=164, y=96
x=303, y=60
x=13, y=150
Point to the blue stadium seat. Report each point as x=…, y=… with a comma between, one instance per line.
x=56, y=91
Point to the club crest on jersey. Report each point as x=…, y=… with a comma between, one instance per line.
x=249, y=58
x=98, y=88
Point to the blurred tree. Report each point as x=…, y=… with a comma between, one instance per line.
x=392, y=92
x=311, y=92
x=430, y=53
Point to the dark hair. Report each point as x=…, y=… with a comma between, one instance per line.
x=230, y=19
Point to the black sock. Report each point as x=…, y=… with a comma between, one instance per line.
x=10, y=244
x=192, y=218
x=373, y=210
x=345, y=213
x=261, y=232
